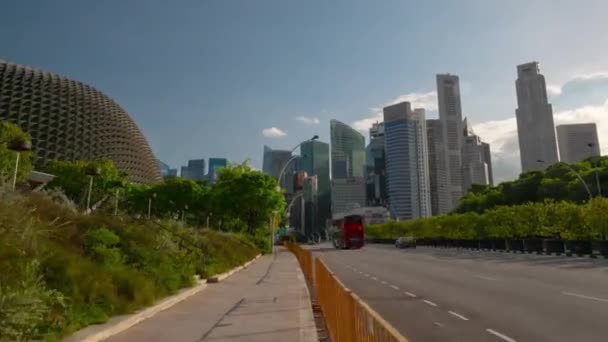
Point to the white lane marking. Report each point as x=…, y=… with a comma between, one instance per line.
x=383, y=282
x=438, y=324
x=374, y=278
x=583, y=296
x=410, y=294
x=458, y=315
x=485, y=277
x=367, y=275
x=429, y=302
x=395, y=287
x=497, y=334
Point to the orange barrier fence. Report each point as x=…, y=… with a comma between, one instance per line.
x=348, y=318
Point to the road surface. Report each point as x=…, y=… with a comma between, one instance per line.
x=432, y=294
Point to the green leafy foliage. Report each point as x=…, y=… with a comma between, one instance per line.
x=549, y=219
x=558, y=183
x=61, y=271
x=10, y=132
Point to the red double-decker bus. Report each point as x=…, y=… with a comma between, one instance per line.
x=348, y=232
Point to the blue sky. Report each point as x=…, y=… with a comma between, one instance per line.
x=205, y=78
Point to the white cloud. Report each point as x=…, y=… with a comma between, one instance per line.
x=273, y=132
x=308, y=121
x=427, y=101
x=554, y=90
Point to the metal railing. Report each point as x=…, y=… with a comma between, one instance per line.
x=348, y=317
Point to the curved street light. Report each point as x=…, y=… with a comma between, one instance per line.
x=281, y=174
x=577, y=176
x=18, y=145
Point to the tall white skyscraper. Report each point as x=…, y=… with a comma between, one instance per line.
x=535, y=128
x=407, y=168
x=577, y=142
x=450, y=116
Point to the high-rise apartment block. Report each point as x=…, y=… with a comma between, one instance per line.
x=577, y=142
x=273, y=163
x=450, y=115
x=195, y=170
x=348, y=167
x=535, y=128
x=406, y=162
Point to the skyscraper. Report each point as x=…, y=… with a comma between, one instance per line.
x=376, y=167
x=348, y=167
x=214, y=165
x=476, y=159
x=577, y=142
x=274, y=161
x=450, y=115
x=406, y=162
x=195, y=169
x=535, y=128
x=440, y=199
x=314, y=159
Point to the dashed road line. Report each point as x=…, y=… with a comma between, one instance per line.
x=367, y=275
x=429, y=302
x=458, y=315
x=497, y=334
x=572, y=294
x=374, y=278
x=438, y=324
x=485, y=277
x=395, y=287
x=410, y=294
x=383, y=282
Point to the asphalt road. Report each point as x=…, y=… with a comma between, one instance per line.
x=432, y=294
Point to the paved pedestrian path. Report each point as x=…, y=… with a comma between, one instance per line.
x=266, y=302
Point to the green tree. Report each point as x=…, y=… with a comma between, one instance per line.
x=10, y=132
x=72, y=178
x=245, y=195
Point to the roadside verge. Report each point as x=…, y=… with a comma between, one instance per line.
x=118, y=324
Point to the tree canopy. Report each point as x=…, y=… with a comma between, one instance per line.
x=558, y=182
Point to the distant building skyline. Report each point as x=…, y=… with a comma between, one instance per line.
x=577, y=142
x=534, y=114
x=214, y=165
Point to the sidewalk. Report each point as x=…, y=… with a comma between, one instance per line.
x=268, y=301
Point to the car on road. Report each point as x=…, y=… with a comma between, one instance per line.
x=406, y=242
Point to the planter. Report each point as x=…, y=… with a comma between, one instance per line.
x=554, y=246
x=485, y=244
x=533, y=246
x=515, y=245
x=602, y=246
x=579, y=247
x=499, y=245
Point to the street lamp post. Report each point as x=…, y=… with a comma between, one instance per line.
x=597, y=175
x=210, y=214
x=272, y=224
x=577, y=176
x=18, y=145
x=281, y=174
x=92, y=172
x=150, y=205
